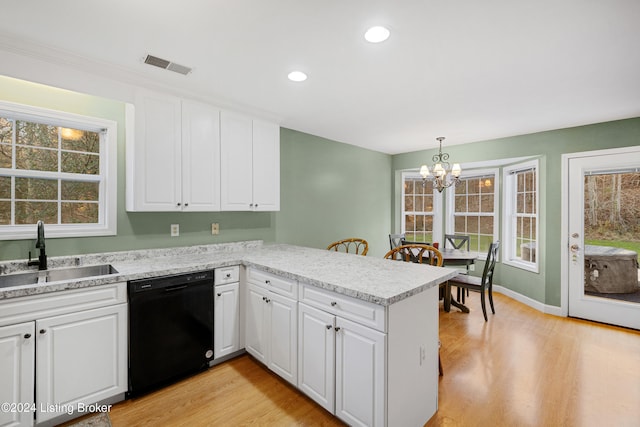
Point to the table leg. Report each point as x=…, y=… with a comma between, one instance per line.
x=448, y=301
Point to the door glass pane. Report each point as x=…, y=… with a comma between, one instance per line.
x=612, y=235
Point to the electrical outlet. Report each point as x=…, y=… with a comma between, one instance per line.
x=175, y=230
x=215, y=228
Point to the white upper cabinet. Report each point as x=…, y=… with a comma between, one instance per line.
x=250, y=168
x=173, y=158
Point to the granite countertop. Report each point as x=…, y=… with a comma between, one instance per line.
x=370, y=279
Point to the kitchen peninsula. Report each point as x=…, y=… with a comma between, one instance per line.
x=377, y=318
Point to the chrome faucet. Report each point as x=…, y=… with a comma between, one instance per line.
x=42, y=259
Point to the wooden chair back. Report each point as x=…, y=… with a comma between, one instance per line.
x=353, y=245
x=490, y=264
x=422, y=254
x=457, y=241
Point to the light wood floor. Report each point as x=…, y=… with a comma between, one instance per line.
x=522, y=368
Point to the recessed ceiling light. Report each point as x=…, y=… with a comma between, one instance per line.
x=376, y=34
x=297, y=76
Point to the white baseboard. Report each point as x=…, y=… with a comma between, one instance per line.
x=544, y=308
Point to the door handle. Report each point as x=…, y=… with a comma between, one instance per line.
x=574, y=248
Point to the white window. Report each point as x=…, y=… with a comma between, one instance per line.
x=521, y=215
x=472, y=208
x=59, y=168
x=421, y=210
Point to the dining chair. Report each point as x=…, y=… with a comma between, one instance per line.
x=416, y=253
x=481, y=284
x=357, y=245
x=422, y=254
x=458, y=241
x=396, y=240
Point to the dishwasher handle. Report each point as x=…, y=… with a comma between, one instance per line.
x=174, y=288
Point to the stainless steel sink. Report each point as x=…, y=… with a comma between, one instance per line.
x=18, y=279
x=69, y=273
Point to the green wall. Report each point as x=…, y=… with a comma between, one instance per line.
x=549, y=147
x=331, y=191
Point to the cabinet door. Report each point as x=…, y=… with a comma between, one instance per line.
x=17, y=352
x=236, y=148
x=227, y=320
x=360, y=353
x=283, y=336
x=266, y=166
x=153, y=157
x=316, y=355
x=256, y=323
x=81, y=357
x=200, y=157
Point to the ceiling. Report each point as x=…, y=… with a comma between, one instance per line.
x=465, y=69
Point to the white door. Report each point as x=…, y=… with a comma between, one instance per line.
x=17, y=352
x=602, y=273
x=283, y=336
x=256, y=326
x=316, y=355
x=80, y=357
x=360, y=374
x=227, y=320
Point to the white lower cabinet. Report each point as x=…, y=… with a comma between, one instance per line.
x=17, y=356
x=67, y=352
x=271, y=330
x=226, y=338
x=338, y=360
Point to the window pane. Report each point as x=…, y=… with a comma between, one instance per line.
x=461, y=204
x=80, y=163
x=486, y=225
x=5, y=187
x=409, y=223
x=36, y=159
x=486, y=203
x=36, y=134
x=408, y=203
x=5, y=156
x=474, y=203
x=473, y=224
x=408, y=186
x=80, y=140
x=486, y=184
x=31, y=212
x=6, y=130
x=530, y=202
x=79, y=213
x=460, y=225
x=5, y=213
x=77, y=190
x=473, y=185
x=36, y=189
x=419, y=204
x=519, y=203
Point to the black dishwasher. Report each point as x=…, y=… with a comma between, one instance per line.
x=170, y=329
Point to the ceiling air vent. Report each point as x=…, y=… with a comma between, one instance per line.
x=167, y=65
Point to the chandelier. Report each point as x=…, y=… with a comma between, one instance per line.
x=443, y=174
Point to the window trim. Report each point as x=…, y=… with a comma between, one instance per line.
x=437, y=207
x=470, y=174
x=509, y=206
x=107, y=216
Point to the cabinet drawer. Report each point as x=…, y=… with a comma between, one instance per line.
x=23, y=309
x=226, y=275
x=365, y=313
x=277, y=284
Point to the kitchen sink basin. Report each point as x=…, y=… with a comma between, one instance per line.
x=69, y=273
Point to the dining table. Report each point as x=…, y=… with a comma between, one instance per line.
x=452, y=258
